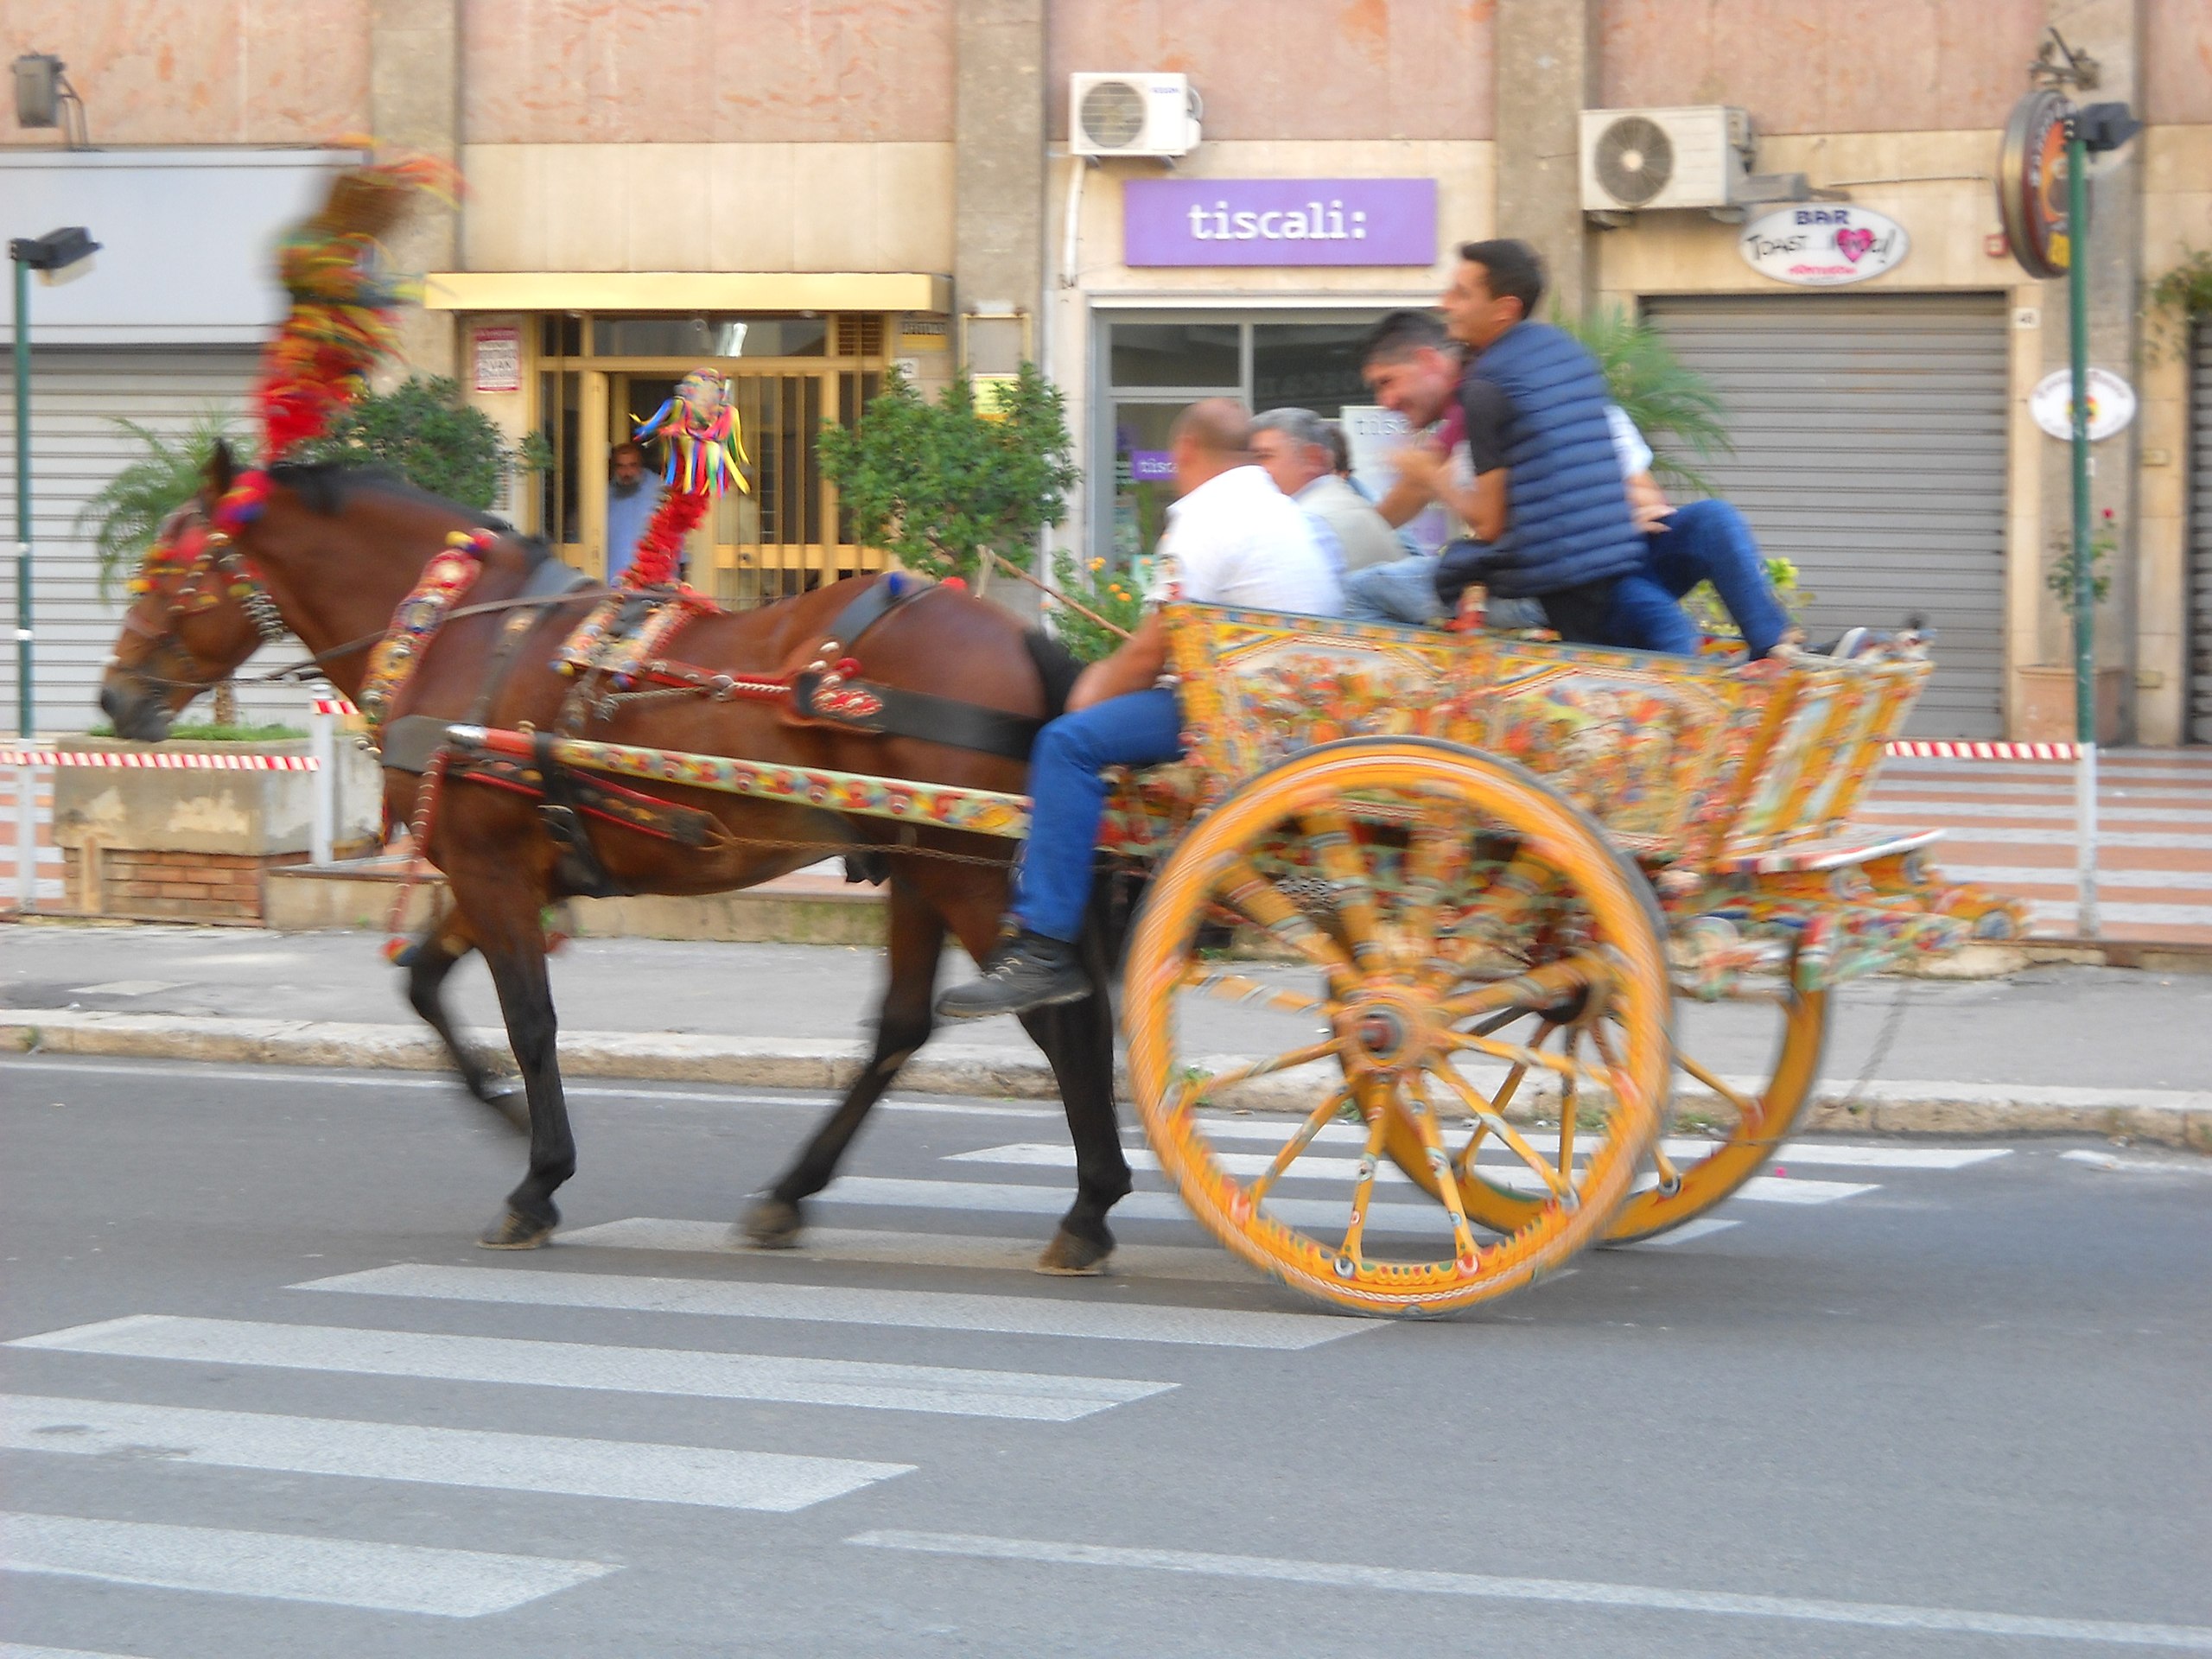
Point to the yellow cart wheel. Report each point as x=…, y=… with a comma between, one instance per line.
x=1705, y=1160
x=1371, y=1033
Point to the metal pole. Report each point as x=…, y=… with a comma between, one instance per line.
x=23, y=325
x=2085, y=621
x=321, y=731
x=26, y=839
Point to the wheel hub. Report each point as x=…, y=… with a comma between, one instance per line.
x=1387, y=1030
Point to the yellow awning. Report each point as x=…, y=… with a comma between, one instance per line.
x=694, y=293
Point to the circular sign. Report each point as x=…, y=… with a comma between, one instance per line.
x=1822, y=245
x=2032, y=184
x=2112, y=403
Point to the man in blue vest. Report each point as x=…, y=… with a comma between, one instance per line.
x=1549, y=509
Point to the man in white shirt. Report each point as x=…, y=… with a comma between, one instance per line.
x=1233, y=538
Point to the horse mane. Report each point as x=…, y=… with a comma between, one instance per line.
x=325, y=487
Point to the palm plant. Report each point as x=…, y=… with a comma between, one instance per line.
x=121, y=519
x=1664, y=396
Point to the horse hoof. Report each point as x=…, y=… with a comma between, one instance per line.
x=1070, y=1256
x=773, y=1224
x=512, y=1231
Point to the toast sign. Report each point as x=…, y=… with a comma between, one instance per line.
x=1823, y=244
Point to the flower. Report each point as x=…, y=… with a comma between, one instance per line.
x=2107, y=515
x=1098, y=564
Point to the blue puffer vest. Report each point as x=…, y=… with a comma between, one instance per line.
x=1567, y=518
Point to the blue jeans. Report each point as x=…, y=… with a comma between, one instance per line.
x=1068, y=797
x=1401, y=590
x=1708, y=541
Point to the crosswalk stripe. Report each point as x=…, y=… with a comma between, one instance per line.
x=17, y=1650
x=899, y=1194
x=1703, y=1227
x=1348, y=1575
x=877, y=1247
x=1760, y=1190
x=335, y=1572
x=648, y=1473
x=1034, y=1316
x=1277, y=1129
x=868, y=1384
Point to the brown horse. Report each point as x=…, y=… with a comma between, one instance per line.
x=336, y=551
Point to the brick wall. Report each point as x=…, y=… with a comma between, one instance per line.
x=189, y=886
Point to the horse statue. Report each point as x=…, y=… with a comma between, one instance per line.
x=349, y=560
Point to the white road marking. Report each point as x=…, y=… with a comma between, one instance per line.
x=1763, y=1189
x=872, y=1246
x=1341, y=1575
x=125, y=988
x=2138, y=1166
x=443, y=1457
x=17, y=1650
x=1276, y=1130
x=886, y=1191
x=872, y=1386
x=336, y=1572
x=927, y=1310
x=1703, y=1227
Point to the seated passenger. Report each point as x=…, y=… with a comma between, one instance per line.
x=1233, y=538
x=1291, y=446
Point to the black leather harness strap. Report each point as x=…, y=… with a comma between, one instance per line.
x=892, y=711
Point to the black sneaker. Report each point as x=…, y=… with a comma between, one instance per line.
x=1028, y=971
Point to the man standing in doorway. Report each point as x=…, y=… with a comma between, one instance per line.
x=632, y=495
x=1232, y=539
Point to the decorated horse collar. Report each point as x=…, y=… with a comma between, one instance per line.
x=444, y=581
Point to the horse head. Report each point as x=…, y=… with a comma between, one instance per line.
x=192, y=621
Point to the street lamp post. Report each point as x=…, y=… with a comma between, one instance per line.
x=49, y=255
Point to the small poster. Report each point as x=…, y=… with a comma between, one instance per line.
x=499, y=359
x=2112, y=405
x=1823, y=244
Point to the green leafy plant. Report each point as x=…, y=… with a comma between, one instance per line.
x=1113, y=594
x=2179, y=298
x=425, y=432
x=121, y=519
x=1709, y=614
x=1666, y=398
x=938, y=483
x=2065, y=567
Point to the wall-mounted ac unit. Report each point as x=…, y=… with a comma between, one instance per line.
x=1634, y=159
x=1140, y=114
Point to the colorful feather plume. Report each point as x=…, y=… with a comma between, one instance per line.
x=703, y=455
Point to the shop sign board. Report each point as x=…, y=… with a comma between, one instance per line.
x=1152, y=467
x=2032, y=184
x=1278, y=222
x=1823, y=244
x=499, y=359
x=2112, y=403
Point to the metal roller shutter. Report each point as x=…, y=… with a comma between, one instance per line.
x=2200, y=539
x=76, y=450
x=1870, y=436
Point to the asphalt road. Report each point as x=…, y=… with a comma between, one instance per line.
x=262, y=1396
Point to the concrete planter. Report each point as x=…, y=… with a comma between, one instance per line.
x=196, y=845
x=2046, y=709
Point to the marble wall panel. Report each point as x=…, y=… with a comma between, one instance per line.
x=201, y=72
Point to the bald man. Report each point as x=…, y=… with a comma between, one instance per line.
x=1233, y=538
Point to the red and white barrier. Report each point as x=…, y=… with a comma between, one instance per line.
x=1909, y=750
x=159, y=760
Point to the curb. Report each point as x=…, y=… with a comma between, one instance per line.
x=2160, y=1117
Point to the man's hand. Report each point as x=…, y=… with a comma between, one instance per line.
x=1133, y=667
x=1418, y=466
x=1648, y=505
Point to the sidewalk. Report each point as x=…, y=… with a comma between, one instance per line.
x=2088, y=1050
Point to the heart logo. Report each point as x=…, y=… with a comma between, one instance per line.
x=1854, y=243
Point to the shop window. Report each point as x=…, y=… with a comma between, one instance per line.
x=706, y=337
x=1308, y=365
x=560, y=334
x=1178, y=354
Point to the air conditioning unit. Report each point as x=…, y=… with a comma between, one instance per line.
x=1635, y=160
x=1140, y=114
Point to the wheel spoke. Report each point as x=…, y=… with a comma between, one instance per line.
x=1538, y=987
x=1329, y=842
x=1436, y=852
x=1748, y=1109
x=1570, y=1088
x=1242, y=988
x=1196, y=1088
x=1251, y=895
x=1464, y=1165
x=1316, y=1120
x=1424, y=1120
x=1377, y=1123
x=1521, y=1055
x=1562, y=1187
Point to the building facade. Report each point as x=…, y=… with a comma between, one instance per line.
x=810, y=191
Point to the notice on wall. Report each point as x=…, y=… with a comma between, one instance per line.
x=2112, y=405
x=1823, y=244
x=1278, y=222
x=499, y=359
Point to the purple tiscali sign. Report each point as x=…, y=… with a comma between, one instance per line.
x=1278, y=222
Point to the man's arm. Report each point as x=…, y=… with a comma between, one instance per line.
x=1647, y=503
x=1135, y=664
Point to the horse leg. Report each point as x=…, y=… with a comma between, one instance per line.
x=1077, y=1039
x=506, y=924
x=442, y=947
x=916, y=940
